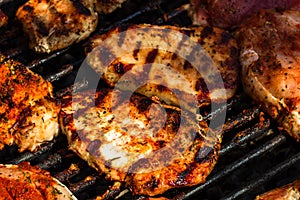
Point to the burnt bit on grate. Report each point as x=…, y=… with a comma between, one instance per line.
x=255, y=156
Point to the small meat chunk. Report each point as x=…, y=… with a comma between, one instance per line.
x=57, y=24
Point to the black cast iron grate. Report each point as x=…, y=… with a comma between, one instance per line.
x=255, y=155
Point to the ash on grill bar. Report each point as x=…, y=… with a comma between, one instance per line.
x=258, y=152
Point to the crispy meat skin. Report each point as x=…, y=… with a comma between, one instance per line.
x=287, y=192
x=21, y=182
x=29, y=114
x=108, y=6
x=56, y=24
x=270, y=61
x=136, y=48
x=228, y=14
x=119, y=139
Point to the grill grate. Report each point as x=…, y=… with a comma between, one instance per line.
x=249, y=136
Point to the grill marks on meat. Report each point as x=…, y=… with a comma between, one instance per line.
x=168, y=62
x=290, y=191
x=132, y=139
x=26, y=182
x=227, y=14
x=108, y=6
x=270, y=65
x=29, y=115
x=52, y=25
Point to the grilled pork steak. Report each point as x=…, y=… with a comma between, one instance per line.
x=56, y=24
x=199, y=63
x=134, y=140
x=28, y=112
x=23, y=181
x=287, y=192
x=227, y=14
x=270, y=46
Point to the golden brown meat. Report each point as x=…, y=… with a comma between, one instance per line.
x=134, y=140
x=270, y=58
x=108, y=6
x=181, y=66
x=28, y=112
x=20, y=182
x=287, y=192
x=56, y=24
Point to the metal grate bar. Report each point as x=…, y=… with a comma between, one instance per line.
x=247, y=135
x=64, y=70
x=67, y=174
x=82, y=185
x=41, y=61
x=271, y=173
x=51, y=162
x=75, y=87
x=28, y=156
x=241, y=119
x=235, y=165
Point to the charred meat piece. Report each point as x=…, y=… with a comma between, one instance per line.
x=108, y=6
x=28, y=112
x=270, y=58
x=287, y=192
x=55, y=24
x=198, y=64
x=26, y=182
x=3, y=19
x=134, y=140
x=227, y=14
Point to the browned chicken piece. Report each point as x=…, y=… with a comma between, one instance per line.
x=179, y=66
x=135, y=140
x=270, y=58
x=287, y=192
x=3, y=19
x=229, y=14
x=56, y=24
x=18, y=182
x=28, y=112
x=108, y=6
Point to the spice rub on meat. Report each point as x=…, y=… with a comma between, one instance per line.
x=56, y=24
x=197, y=64
x=27, y=182
x=28, y=112
x=270, y=59
x=132, y=139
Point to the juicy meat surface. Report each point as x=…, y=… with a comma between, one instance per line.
x=227, y=14
x=56, y=24
x=28, y=112
x=181, y=66
x=135, y=140
x=270, y=59
x=108, y=6
x=287, y=192
x=21, y=182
